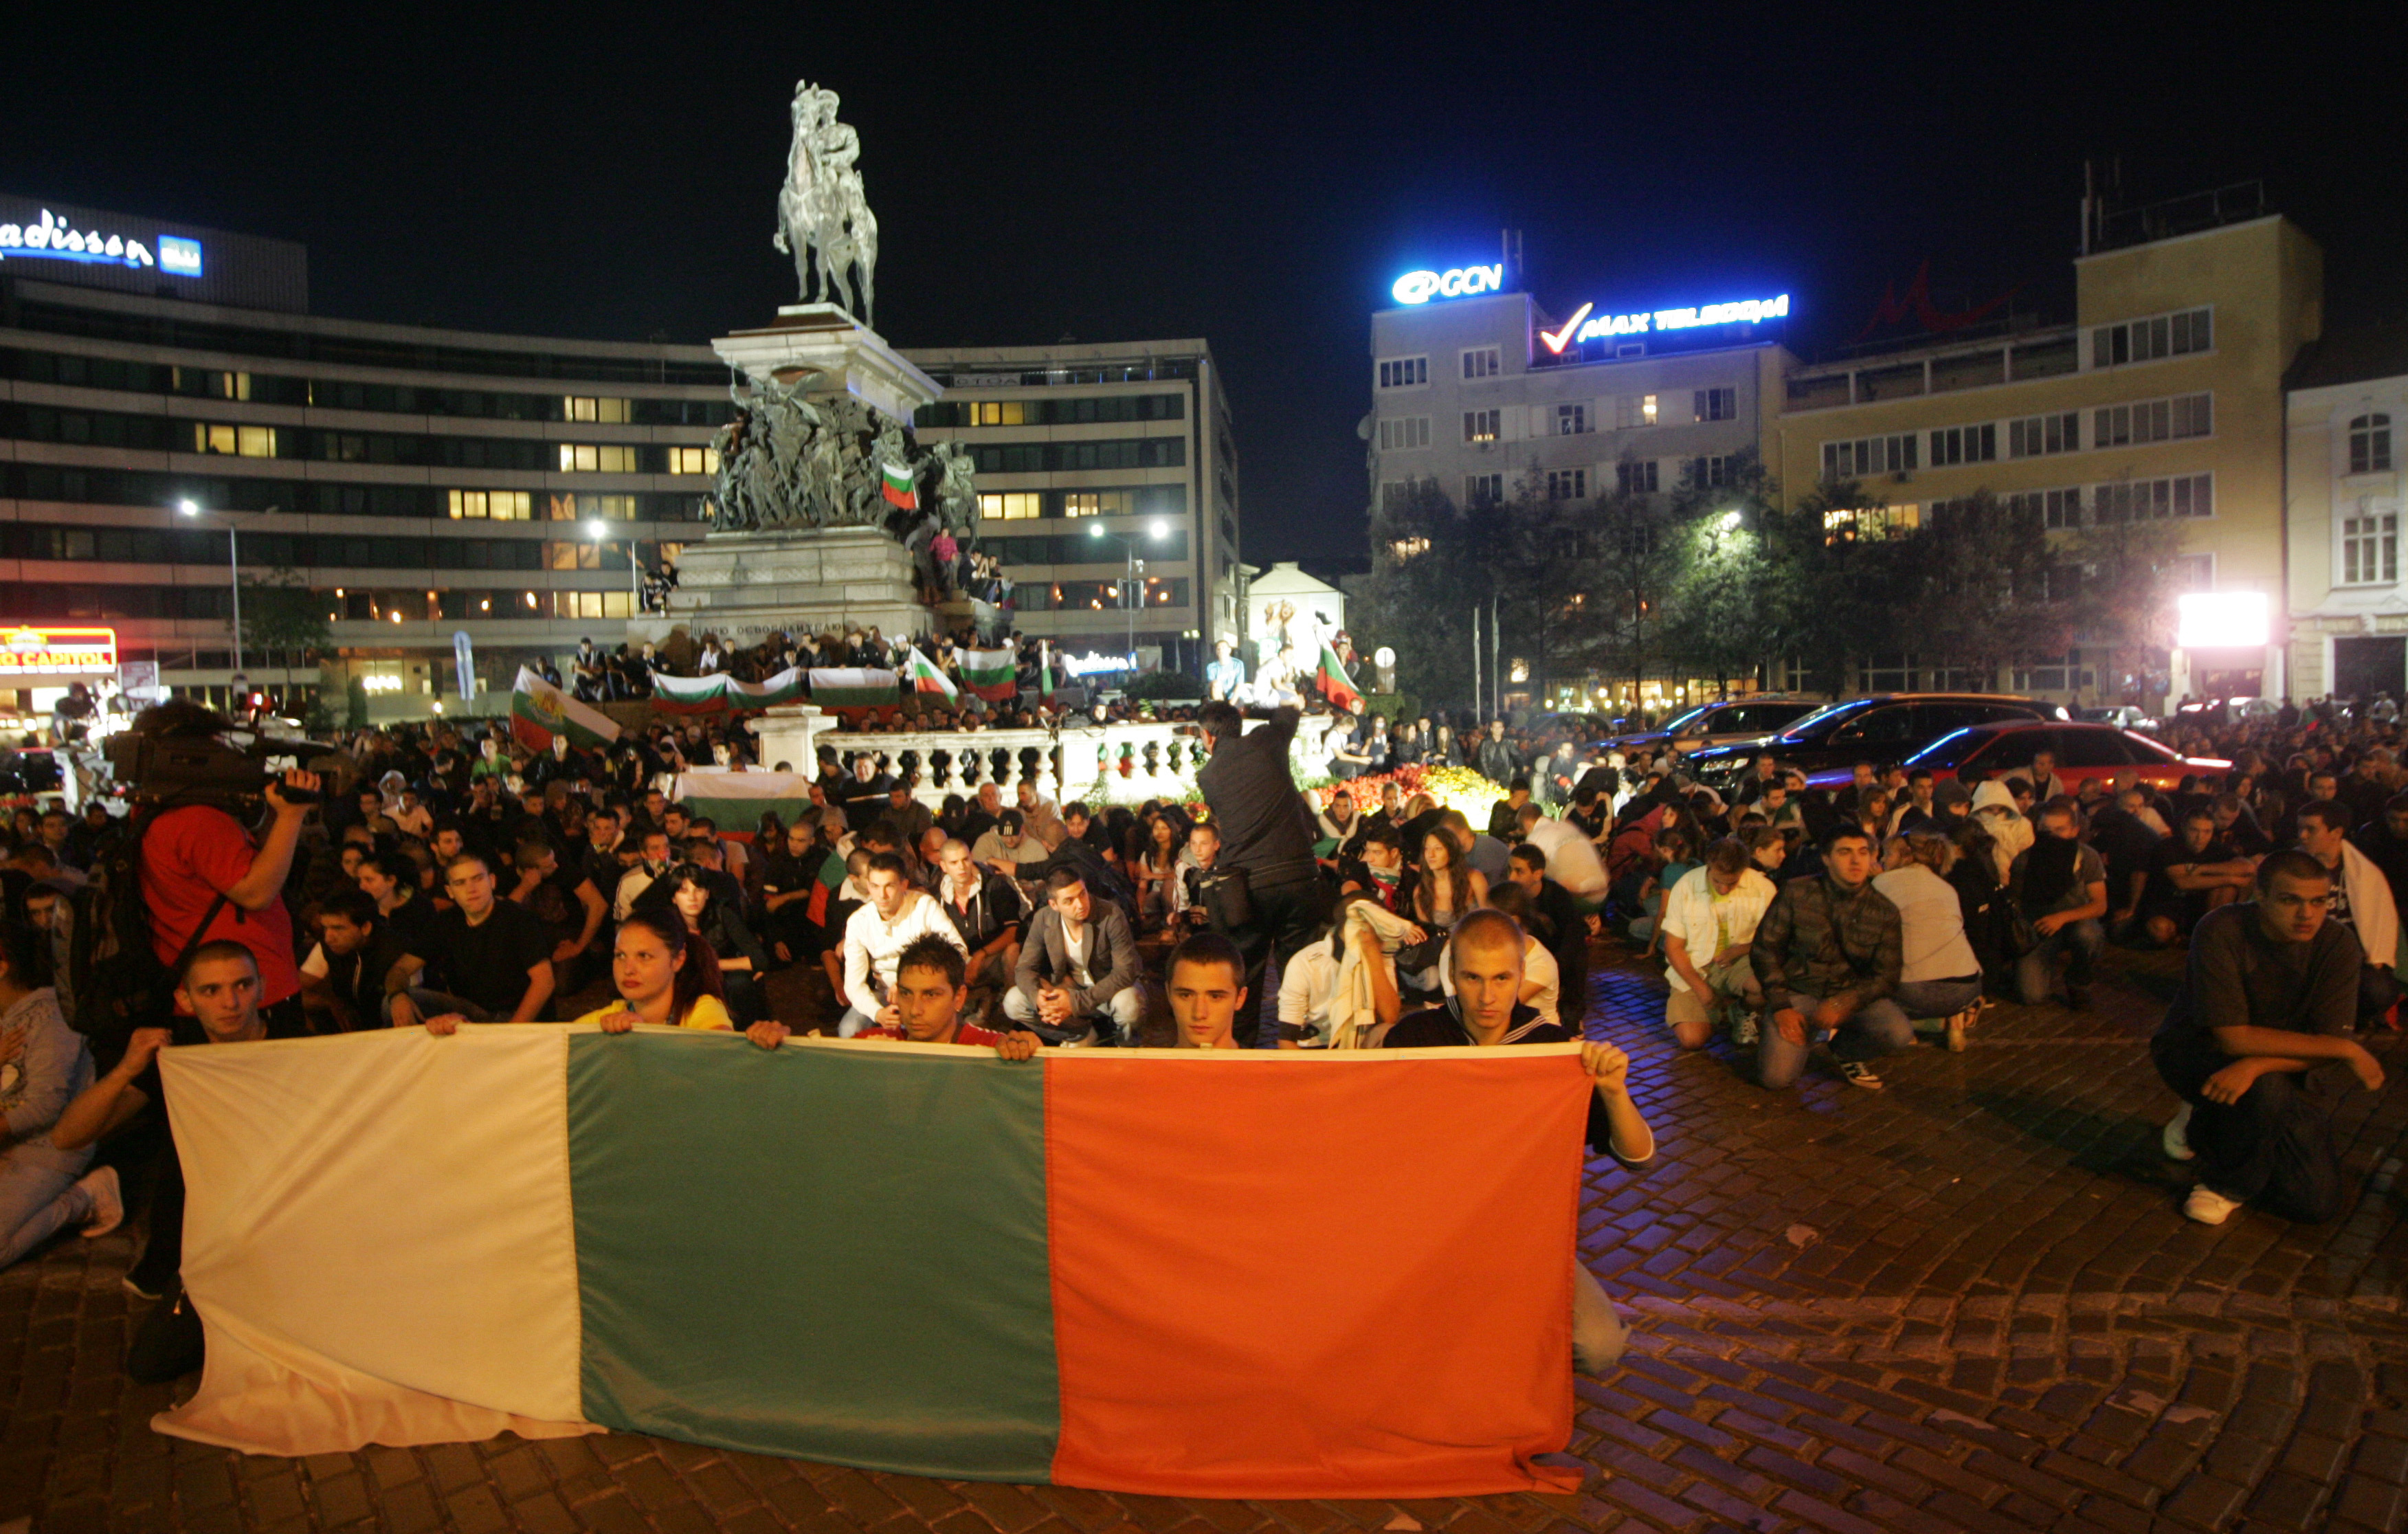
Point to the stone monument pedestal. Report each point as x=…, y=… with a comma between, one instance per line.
x=745, y=585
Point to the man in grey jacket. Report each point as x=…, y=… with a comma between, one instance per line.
x=1078, y=968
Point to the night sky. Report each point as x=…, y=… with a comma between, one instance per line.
x=1118, y=173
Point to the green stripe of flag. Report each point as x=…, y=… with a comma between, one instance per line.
x=828, y=1321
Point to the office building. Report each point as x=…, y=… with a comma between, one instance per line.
x=416, y=484
x=2162, y=399
x=2348, y=401
x=1477, y=389
x=1092, y=460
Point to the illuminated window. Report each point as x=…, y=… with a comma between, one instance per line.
x=588, y=508
x=1482, y=362
x=1714, y=404
x=1484, y=489
x=493, y=505
x=2037, y=436
x=1571, y=420
x=582, y=555
x=2370, y=445
x=2370, y=546
x=235, y=442
x=995, y=412
x=593, y=604
x=1404, y=372
x=1095, y=502
x=584, y=408
x=694, y=460
x=1569, y=485
x=586, y=458
x=1011, y=505
x=1482, y=425
x=1870, y=522
x=1399, y=433
x=1406, y=548
x=1634, y=411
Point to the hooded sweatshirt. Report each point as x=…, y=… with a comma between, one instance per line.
x=2009, y=833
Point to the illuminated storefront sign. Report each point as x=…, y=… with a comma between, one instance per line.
x=1584, y=326
x=1460, y=283
x=57, y=654
x=55, y=239
x=1091, y=664
x=2222, y=620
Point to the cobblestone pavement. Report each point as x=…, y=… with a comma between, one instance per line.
x=1966, y=1303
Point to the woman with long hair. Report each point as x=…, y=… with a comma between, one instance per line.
x=1155, y=866
x=664, y=975
x=741, y=960
x=1449, y=887
x=1940, y=975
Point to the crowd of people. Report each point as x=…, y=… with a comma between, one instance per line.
x=442, y=879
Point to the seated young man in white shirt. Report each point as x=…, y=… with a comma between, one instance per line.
x=894, y=915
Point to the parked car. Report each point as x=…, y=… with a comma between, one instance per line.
x=2082, y=751
x=1717, y=723
x=1883, y=727
x=2123, y=716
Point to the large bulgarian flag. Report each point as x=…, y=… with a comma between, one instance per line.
x=913, y=1259
x=735, y=801
x=852, y=687
x=992, y=674
x=1331, y=679
x=721, y=693
x=539, y=711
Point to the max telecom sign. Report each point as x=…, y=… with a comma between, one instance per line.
x=1584, y=327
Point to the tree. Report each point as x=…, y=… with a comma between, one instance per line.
x=1980, y=585
x=283, y=623
x=1430, y=568
x=1721, y=616
x=1835, y=560
x=2130, y=573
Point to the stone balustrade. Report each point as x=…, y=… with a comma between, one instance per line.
x=1129, y=763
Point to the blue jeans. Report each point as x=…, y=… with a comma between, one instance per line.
x=1877, y=1028
x=1936, y=997
x=2079, y=943
x=37, y=1195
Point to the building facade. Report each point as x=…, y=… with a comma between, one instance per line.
x=2347, y=402
x=406, y=484
x=1485, y=393
x=1108, y=483
x=2163, y=399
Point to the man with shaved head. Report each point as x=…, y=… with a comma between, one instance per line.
x=1486, y=960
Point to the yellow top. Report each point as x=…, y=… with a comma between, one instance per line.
x=706, y=1012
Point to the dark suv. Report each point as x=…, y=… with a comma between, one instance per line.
x=1716, y=723
x=1883, y=728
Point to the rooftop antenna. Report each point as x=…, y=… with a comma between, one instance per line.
x=1510, y=251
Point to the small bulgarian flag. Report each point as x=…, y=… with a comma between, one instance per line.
x=925, y=676
x=1331, y=680
x=539, y=711
x=1045, y=670
x=992, y=674
x=897, y=486
x=546, y=1229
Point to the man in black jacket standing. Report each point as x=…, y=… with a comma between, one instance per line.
x=1266, y=835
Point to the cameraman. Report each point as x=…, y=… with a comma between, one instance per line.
x=1267, y=837
x=201, y=867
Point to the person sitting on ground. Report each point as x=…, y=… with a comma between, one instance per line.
x=1504, y=816
x=2127, y=846
x=1669, y=862
x=1566, y=925
x=666, y=977
x=1487, y=1009
x=2059, y=884
x=1448, y=886
x=702, y=909
x=2256, y=1046
x=2361, y=901
x=1193, y=878
x=1571, y=860
x=931, y=988
x=1336, y=823
x=1206, y=979
x=1006, y=848
x=2189, y=876
x=44, y=1067
x=891, y=918
x=1828, y=956
x=1710, y=921
x=989, y=913
x=216, y=1000
x=345, y=979
x=1321, y=997
x=1078, y=967
x=1939, y=976
x=1542, y=982
x=492, y=959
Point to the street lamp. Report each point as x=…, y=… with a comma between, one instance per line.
x=234, y=569
x=634, y=574
x=1130, y=593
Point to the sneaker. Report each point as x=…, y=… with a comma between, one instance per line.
x=1956, y=1024
x=2176, y=1139
x=1858, y=1073
x=2209, y=1206
x=1743, y=1030
x=108, y=1200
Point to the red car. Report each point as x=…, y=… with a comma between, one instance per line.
x=2082, y=751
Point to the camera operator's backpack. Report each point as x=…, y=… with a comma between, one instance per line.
x=120, y=984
